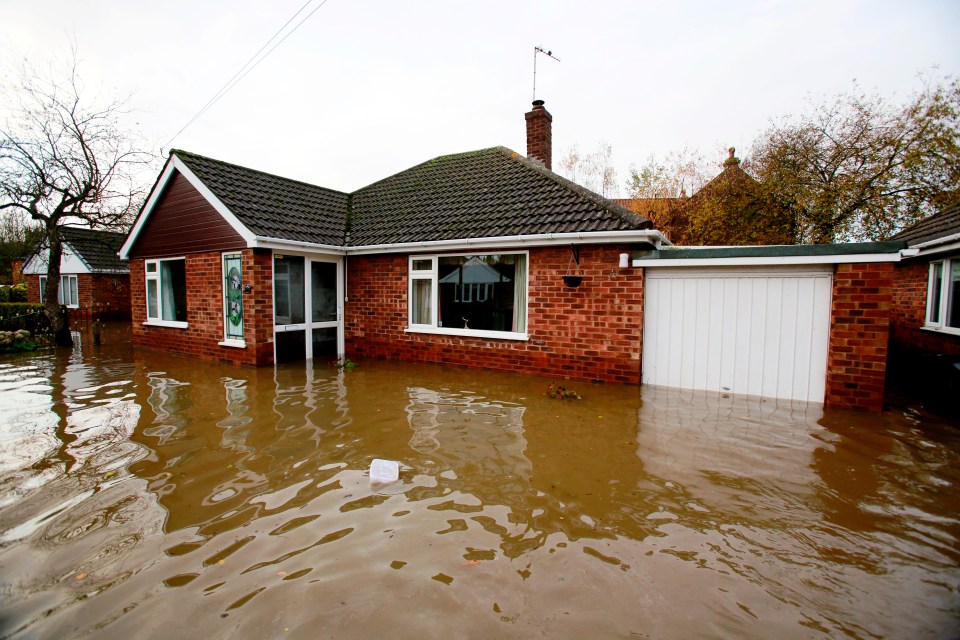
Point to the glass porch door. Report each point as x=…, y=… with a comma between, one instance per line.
x=307, y=310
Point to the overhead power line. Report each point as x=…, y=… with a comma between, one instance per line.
x=248, y=67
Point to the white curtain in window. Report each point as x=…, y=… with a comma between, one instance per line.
x=520, y=295
x=421, y=301
x=166, y=292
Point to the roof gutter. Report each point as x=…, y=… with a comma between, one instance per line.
x=937, y=245
x=651, y=237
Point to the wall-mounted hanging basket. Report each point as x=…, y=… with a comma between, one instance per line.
x=573, y=279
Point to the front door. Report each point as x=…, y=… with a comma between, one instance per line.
x=307, y=310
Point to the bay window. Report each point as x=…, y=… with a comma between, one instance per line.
x=943, y=296
x=482, y=295
x=167, y=292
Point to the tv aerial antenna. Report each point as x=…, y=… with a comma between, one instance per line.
x=547, y=53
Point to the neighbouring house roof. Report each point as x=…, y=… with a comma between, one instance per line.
x=487, y=194
x=941, y=225
x=271, y=206
x=95, y=249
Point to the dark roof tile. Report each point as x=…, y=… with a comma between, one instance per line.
x=939, y=225
x=98, y=249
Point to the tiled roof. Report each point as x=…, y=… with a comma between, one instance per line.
x=271, y=206
x=488, y=193
x=493, y=192
x=939, y=225
x=98, y=249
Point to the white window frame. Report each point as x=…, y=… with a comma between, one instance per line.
x=155, y=276
x=64, y=279
x=431, y=275
x=940, y=323
x=230, y=342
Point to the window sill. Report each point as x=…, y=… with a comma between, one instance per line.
x=938, y=329
x=468, y=333
x=237, y=344
x=173, y=324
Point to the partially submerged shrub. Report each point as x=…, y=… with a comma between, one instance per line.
x=557, y=391
x=16, y=341
x=344, y=364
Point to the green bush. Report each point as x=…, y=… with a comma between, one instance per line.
x=18, y=293
x=5, y=293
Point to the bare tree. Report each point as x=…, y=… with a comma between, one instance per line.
x=67, y=160
x=595, y=171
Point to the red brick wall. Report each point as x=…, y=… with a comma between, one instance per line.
x=859, y=333
x=910, y=311
x=540, y=134
x=16, y=271
x=109, y=294
x=593, y=332
x=33, y=288
x=205, y=311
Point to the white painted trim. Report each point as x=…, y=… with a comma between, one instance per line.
x=936, y=241
x=515, y=242
x=467, y=333
x=770, y=260
x=296, y=245
x=214, y=201
x=937, y=250
x=141, y=220
x=174, y=163
x=763, y=271
x=166, y=323
x=239, y=344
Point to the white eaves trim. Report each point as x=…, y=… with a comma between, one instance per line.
x=938, y=246
x=513, y=242
x=770, y=260
x=175, y=164
x=279, y=244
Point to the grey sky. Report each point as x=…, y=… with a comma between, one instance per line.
x=366, y=88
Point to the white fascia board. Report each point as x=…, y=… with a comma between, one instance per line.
x=936, y=250
x=278, y=244
x=952, y=238
x=770, y=260
x=175, y=164
x=515, y=242
x=70, y=262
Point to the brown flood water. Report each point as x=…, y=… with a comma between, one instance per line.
x=150, y=496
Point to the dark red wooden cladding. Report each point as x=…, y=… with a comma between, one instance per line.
x=183, y=222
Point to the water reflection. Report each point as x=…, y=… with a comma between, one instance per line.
x=147, y=495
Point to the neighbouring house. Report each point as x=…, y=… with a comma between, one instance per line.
x=925, y=335
x=484, y=259
x=728, y=210
x=93, y=279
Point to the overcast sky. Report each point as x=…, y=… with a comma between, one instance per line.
x=366, y=88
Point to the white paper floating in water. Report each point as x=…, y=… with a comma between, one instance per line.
x=383, y=471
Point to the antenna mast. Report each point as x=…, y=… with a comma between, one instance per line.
x=549, y=54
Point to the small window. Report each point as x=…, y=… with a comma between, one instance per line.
x=943, y=295
x=167, y=291
x=482, y=295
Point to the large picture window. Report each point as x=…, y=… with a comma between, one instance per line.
x=475, y=294
x=167, y=292
x=68, y=294
x=943, y=296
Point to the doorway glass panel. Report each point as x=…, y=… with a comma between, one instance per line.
x=323, y=290
x=288, y=289
x=325, y=344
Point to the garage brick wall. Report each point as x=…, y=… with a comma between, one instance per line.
x=859, y=335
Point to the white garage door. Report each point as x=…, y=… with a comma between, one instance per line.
x=761, y=332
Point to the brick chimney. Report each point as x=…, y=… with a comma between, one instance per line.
x=540, y=134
